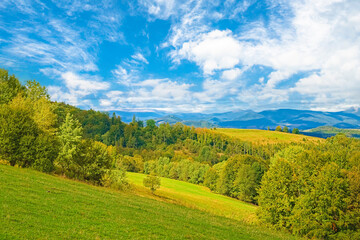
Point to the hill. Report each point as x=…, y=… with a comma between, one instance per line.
x=37, y=205
x=265, y=137
x=328, y=131
x=200, y=197
x=248, y=119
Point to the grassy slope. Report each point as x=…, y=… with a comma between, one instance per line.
x=264, y=136
x=34, y=205
x=198, y=197
x=334, y=130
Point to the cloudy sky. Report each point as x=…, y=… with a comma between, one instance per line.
x=187, y=56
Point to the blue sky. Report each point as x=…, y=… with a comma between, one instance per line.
x=187, y=56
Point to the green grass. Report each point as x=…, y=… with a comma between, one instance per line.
x=34, y=205
x=334, y=130
x=265, y=137
x=198, y=197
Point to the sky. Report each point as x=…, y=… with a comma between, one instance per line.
x=187, y=56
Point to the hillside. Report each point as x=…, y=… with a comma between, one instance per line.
x=248, y=119
x=266, y=137
x=37, y=205
x=328, y=131
x=199, y=197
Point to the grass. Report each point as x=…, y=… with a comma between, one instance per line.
x=34, y=205
x=198, y=197
x=334, y=131
x=266, y=137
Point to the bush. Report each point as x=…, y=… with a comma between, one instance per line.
x=152, y=182
x=115, y=179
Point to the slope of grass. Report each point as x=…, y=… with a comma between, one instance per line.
x=265, y=137
x=333, y=131
x=198, y=197
x=34, y=205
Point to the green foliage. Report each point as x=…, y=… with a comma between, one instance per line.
x=315, y=191
x=26, y=140
x=286, y=129
x=278, y=128
x=295, y=131
x=69, y=135
x=152, y=182
x=240, y=177
x=115, y=179
x=10, y=87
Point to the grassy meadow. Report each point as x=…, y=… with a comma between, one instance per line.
x=35, y=205
x=266, y=137
x=197, y=197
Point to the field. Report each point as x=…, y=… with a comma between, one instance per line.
x=34, y=205
x=199, y=197
x=265, y=137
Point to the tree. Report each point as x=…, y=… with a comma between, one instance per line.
x=278, y=128
x=286, y=129
x=10, y=87
x=150, y=124
x=295, y=131
x=152, y=182
x=69, y=135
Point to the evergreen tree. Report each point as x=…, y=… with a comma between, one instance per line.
x=69, y=135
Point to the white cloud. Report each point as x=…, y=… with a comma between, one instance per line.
x=213, y=51
x=161, y=9
x=157, y=94
x=316, y=36
x=77, y=88
x=82, y=85
x=124, y=76
x=232, y=74
x=139, y=57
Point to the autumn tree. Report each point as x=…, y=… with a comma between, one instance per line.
x=278, y=128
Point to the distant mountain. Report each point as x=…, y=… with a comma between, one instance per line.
x=302, y=119
x=127, y=116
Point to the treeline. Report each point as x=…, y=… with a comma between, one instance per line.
x=56, y=137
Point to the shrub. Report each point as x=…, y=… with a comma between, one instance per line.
x=115, y=179
x=152, y=182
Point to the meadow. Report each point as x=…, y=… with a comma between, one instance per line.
x=263, y=137
x=197, y=197
x=35, y=205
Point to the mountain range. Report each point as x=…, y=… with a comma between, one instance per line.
x=248, y=119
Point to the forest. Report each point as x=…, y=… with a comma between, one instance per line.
x=309, y=189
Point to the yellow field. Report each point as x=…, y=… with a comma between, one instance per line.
x=265, y=137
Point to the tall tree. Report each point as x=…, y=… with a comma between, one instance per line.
x=69, y=135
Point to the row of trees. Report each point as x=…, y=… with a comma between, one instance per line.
x=286, y=130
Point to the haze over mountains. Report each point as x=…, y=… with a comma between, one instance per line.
x=302, y=119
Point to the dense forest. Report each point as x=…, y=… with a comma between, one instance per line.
x=312, y=189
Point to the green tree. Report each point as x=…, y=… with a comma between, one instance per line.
x=277, y=194
x=10, y=87
x=18, y=131
x=152, y=181
x=286, y=129
x=69, y=135
x=295, y=131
